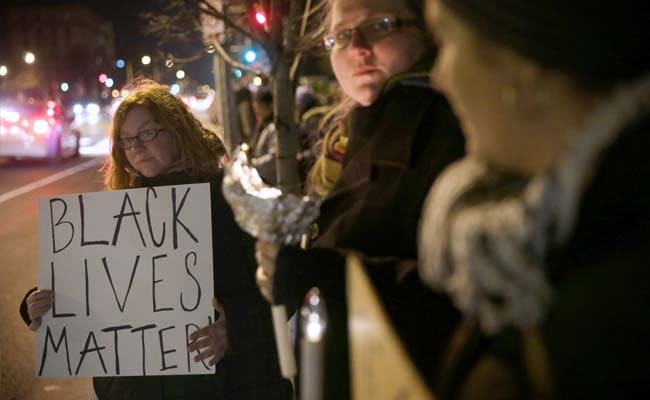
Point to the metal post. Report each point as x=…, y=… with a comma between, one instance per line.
x=225, y=103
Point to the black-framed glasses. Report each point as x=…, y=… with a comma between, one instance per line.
x=369, y=30
x=147, y=135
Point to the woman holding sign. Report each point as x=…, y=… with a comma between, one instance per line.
x=156, y=141
x=391, y=137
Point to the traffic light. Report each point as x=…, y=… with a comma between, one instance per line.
x=260, y=18
x=250, y=55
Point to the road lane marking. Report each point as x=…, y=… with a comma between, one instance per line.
x=50, y=179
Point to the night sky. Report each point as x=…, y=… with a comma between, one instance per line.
x=128, y=25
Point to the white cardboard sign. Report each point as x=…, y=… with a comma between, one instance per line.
x=132, y=276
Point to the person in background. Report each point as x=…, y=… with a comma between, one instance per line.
x=309, y=114
x=390, y=138
x=244, y=104
x=264, y=141
x=156, y=141
x=541, y=236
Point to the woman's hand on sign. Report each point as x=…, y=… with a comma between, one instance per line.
x=265, y=254
x=211, y=342
x=38, y=303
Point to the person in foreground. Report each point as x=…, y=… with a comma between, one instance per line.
x=156, y=141
x=541, y=235
x=391, y=137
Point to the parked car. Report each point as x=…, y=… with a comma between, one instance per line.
x=37, y=130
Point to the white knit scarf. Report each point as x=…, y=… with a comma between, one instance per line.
x=484, y=234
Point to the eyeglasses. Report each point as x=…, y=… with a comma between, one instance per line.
x=147, y=135
x=369, y=30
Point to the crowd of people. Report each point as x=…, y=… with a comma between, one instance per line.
x=487, y=164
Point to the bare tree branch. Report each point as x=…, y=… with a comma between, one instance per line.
x=222, y=52
x=208, y=9
x=303, y=28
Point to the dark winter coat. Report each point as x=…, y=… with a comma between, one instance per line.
x=397, y=147
x=250, y=368
x=597, y=332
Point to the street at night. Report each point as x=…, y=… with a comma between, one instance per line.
x=21, y=184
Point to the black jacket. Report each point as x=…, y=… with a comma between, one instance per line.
x=396, y=148
x=249, y=369
x=597, y=331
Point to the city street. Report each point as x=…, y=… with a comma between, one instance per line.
x=21, y=184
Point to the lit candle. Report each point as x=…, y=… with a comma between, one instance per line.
x=313, y=316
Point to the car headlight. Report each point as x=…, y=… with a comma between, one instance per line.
x=41, y=127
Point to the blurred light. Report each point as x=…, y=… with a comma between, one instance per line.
x=120, y=63
x=200, y=104
x=115, y=93
x=260, y=17
x=102, y=78
x=257, y=81
x=29, y=57
x=169, y=63
x=77, y=109
x=175, y=89
x=11, y=116
x=41, y=127
x=238, y=73
x=104, y=95
x=125, y=92
x=146, y=60
x=25, y=123
x=180, y=74
x=92, y=108
x=50, y=112
x=314, y=331
x=64, y=86
x=109, y=83
x=51, y=104
x=250, y=56
x=211, y=49
x=3, y=70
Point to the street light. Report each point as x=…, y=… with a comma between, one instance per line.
x=146, y=60
x=29, y=57
x=3, y=70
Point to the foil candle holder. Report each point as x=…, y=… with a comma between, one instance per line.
x=264, y=211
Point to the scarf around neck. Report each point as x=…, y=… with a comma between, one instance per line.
x=484, y=233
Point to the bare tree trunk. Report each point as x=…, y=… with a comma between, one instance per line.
x=283, y=32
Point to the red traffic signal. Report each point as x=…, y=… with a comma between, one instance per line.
x=260, y=17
